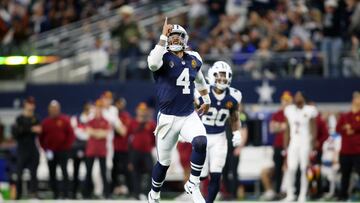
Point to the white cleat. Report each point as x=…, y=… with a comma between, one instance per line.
x=289, y=198
x=183, y=197
x=301, y=198
x=151, y=199
x=268, y=195
x=194, y=191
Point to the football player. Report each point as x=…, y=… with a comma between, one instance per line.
x=301, y=132
x=224, y=106
x=177, y=73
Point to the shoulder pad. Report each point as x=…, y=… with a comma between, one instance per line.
x=236, y=94
x=196, y=54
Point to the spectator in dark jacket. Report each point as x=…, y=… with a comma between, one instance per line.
x=129, y=35
x=56, y=139
x=78, y=149
x=332, y=44
x=26, y=129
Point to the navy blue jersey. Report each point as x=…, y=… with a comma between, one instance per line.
x=220, y=109
x=175, y=83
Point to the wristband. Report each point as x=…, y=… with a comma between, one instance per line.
x=236, y=139
x=206, y=99
x=237, y=133
x=163, y=37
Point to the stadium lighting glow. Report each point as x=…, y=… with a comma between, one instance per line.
x=15, y=60
x=33, y=60
x=24, y=60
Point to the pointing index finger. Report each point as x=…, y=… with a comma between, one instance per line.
x=166, y=18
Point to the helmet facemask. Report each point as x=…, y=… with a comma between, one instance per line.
x=176, y=42
x=220, y=75
x=222, y=80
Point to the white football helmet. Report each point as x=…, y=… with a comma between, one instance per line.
x=184, y=37
x=214, y=73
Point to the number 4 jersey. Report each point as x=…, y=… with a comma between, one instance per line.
x=222, y=105
x=175, y=83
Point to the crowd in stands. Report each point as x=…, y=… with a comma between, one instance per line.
x=20, y=19
x=256, y=33
x=269, y=39
x=262, y=39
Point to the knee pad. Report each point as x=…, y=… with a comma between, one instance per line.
x=164, y=157
x=199, y=144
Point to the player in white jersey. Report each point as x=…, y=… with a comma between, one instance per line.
x=301, y=132
x=224, y=107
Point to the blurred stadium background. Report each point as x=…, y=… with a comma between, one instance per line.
x=73, y=51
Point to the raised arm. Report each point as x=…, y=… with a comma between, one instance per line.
x=155, y=57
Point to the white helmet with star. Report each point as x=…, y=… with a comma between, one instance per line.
x=214, y=75
x=179, y=31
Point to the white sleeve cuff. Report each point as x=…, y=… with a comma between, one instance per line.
x=155, y=57
x=206, y=99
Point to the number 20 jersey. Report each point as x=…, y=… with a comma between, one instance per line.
x=175, y=83
x=221, y=108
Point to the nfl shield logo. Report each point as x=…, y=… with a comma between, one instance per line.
x=171, y=64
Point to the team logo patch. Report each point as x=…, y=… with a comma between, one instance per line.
x=171, y=64
x=357, y=118
x=193, y=63
x=229, y=105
